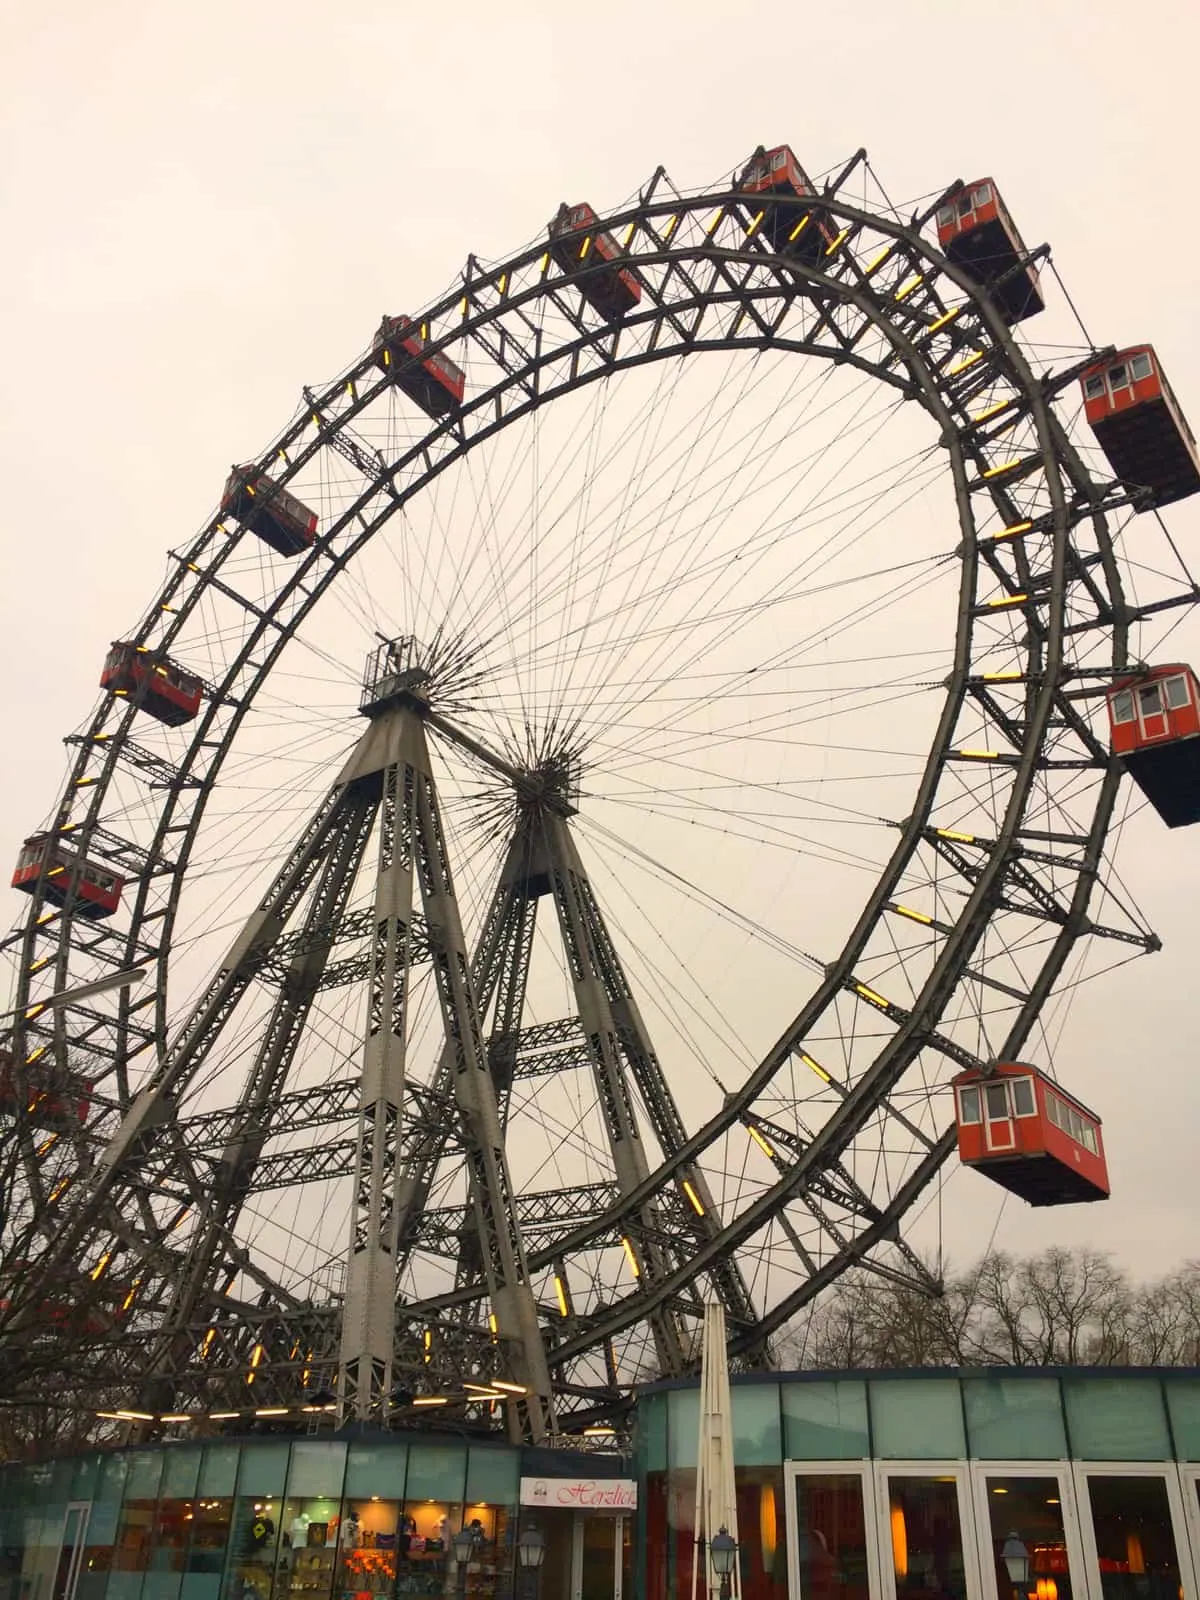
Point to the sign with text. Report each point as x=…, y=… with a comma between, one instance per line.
x=581, y=1494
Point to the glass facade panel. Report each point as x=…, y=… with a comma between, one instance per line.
x=925, y=1527
x=1116, y=1419
x=1183, y=1403
x=826, y=1421
x=1135, y=1541
x=493, y=1476
x=762, y=1538
x=1014, y=1419
x=651, y=1425
x=757, y=1430
x=1028, y=1540
x=437, y=1472
x=101, y=1534
x=376, y=1469
x=218, y=1471
x=316, y=1529
x=830, y=1522
x=683, y=1427
x=136, y=1529
x=173, y=1525
x=254, y=1537
x=917, y=1421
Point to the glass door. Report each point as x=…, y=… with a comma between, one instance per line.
x=598, y=1556
x=997, y=1116
x=832, y=1551
x=1152, y=713
x=70, y=1551
x=1191, y=1505
x=1135, y=1539
x=925, y=1521
x=1028, y=1529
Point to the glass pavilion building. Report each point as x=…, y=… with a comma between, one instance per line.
x=998, y=1484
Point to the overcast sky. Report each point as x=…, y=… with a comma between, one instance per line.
x=205, y=207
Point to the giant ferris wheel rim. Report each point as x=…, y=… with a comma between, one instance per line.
x=1068, y=482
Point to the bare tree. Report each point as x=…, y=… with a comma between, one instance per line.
x=1061, y=1307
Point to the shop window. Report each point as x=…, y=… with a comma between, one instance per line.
x=826, y=1420
x=917, y=1420
x=101, y=1535
x=172, y=1526
x=254, y=1536
x=762, y=1536
x=1009, y=1419
x=1116, y=1419
x=829, y=1522
x=316, y=1535
x=925, y=1525
x=212, y=1517
x=1028, y=1539
x=135, y=1532
x=1135, y=1538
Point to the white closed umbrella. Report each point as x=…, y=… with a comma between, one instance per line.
x=716, y=1502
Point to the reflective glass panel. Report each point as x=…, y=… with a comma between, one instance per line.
x=1135, y=1539
x=917, y=1418
x=1029, y=1558
x=830, y=1531
x=925, y=1530
x=1013, y=1418
x=1183, y=1402
x=1116, y=1419
x=826, y=1421
x=757, y=1434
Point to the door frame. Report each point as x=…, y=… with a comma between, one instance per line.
x=960, y=1471
x=1060, y=1470
x=856, y=1467
x=1169, y=1472
x=1189, y=1487
x=84, y=1508
x=617, y=1518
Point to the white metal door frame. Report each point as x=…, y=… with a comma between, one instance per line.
x=1060, y=1471
x=81, y=1510
x=945, y=1471
x=860, y=1469
x=1169, y=1472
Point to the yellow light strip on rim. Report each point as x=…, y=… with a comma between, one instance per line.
x=815, y=1066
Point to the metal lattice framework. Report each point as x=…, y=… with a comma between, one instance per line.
x=124, y=1222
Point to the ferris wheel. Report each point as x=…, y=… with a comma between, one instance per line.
x=632, y=741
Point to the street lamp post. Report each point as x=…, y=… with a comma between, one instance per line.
x=464, y=1549
x=531, y=1552
x=722, y=1551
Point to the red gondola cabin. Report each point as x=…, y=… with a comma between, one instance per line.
x=593, y=257
x=1155, y=723
x=978, y=235
x=268, y=510
x=153, y=683
x=432, y=381
x=806, y=232
x=47, y=1098
x=1025, y=1133
x=1139, y=426
x=97, y=890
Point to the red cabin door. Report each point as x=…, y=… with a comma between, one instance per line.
x=998, y=1130
x=1152, y=712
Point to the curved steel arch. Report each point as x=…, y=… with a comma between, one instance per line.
x=938, y=337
